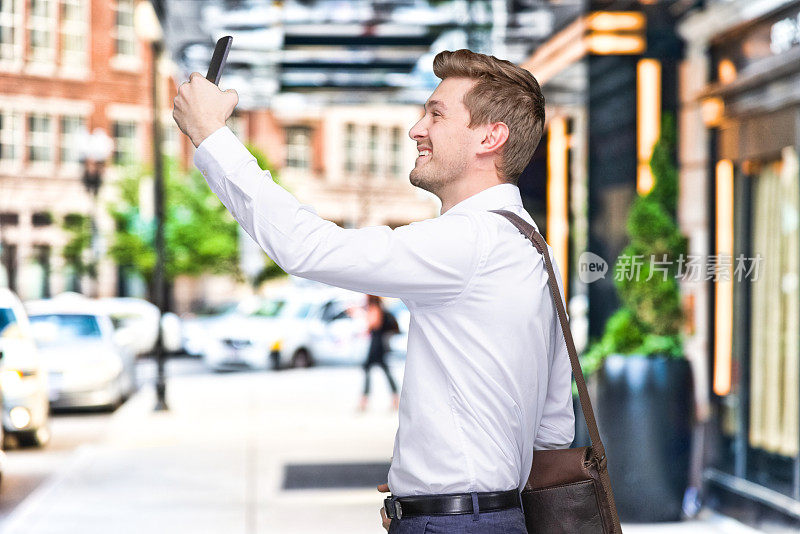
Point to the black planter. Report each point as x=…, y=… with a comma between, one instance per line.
x=645, y=412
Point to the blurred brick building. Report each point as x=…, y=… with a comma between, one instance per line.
x=73, y=65
x=65, y=66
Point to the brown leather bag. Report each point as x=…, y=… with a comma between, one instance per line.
x=568, y=490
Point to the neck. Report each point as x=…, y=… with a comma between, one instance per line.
x=463, y=189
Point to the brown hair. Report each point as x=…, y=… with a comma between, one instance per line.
x=504, y=92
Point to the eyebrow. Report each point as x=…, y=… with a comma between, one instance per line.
x=433, y=103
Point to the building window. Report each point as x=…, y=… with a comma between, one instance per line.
x=70, y=126
x=40, y=131
x=8, y=266
x=42, y=218
x=298, y=147
x=350, y=148
x=8, y=218
x=39, y=272
x=396, y=167
x=124, y=134
x=73, y=32
x=124, y=35
x=374, y=147
x=775, y=308
x=10, y=21
x=10, y=130
x=41, y=28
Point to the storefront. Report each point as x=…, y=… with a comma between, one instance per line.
x=608, y=78
x=750, y=106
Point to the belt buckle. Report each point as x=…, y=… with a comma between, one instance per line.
x=393, y=508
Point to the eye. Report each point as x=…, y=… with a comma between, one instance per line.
x=437, y=114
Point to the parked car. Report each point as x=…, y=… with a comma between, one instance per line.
x=316, y=329
x=135, y=323
x=195, y=326
x=235, y=339
x=23, y=376
x=299, y=327
x=87, y=367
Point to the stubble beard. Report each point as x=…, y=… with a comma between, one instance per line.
x=433, y=180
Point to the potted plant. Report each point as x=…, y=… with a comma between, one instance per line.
x=644, y=396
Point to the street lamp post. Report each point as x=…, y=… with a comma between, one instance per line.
x=94, y=150
x=148, y=29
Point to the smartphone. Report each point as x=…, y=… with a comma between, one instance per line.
x=218, y=59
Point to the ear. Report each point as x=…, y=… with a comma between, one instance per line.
x=495, y=136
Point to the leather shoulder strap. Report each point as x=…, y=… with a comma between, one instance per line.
x=598, y=451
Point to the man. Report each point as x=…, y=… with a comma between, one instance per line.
x=487, y=376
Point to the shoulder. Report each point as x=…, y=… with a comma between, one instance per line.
x=445, y=233
x=447, y=221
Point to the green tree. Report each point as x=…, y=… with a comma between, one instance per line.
x=650, y=318
x=78, y=228
x=200, y=235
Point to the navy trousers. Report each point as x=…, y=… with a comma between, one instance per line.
x=510, y=521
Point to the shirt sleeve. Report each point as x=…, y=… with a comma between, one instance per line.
x=557, y=427
x=428, y=262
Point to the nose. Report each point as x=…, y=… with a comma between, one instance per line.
x=418, y=131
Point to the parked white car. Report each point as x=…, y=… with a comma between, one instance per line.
x=87, y=368
x=135, y=322
x=231, y=339
x=321, y=331
x=23, y=376
x=298, y=327
x=195, y=326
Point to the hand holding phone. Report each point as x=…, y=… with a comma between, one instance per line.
x=218, y=59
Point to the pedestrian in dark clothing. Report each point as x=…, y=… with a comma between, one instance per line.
x=378, y=326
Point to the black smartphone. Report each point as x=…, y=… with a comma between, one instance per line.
x=218, y=59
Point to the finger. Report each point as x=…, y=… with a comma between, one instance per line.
x=235, y=96
x=192, y=75
x=383, y=488
x=385, y=521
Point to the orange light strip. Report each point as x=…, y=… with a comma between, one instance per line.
x=723, y=289
x=648, y=119
x=557, y=208
x=604, y=44
x=614, y=21
x=600, y=33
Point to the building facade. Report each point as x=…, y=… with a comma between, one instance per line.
x=352, y=164
x=66, y=67
x=729, y=71
x=740, y=100
x=77, y=66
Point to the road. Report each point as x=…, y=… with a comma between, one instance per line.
x=26, y=468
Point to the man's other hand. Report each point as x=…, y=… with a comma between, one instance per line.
x=201, y=108
x=384, y=488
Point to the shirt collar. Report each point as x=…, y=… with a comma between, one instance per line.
x=495, y=197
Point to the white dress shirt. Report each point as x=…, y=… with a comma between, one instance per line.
x=487, y=377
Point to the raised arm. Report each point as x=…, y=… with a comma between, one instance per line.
x=429, y=262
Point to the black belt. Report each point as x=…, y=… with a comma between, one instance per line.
x=454, y=504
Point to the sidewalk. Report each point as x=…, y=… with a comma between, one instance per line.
x=216, y=461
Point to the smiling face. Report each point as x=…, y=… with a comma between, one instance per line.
x=443, y=138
